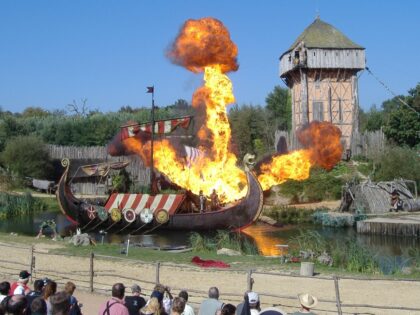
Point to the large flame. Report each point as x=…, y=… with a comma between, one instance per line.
x=205, y=46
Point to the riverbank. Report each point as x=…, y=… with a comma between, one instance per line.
x=61, y=262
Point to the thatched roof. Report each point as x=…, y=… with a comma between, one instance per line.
x=323, y=35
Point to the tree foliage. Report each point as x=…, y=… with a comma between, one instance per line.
x=400, y=123
x=27, y=156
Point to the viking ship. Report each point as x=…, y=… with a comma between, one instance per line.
x=142, y=213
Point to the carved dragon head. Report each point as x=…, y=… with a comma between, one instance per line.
x=249, y=161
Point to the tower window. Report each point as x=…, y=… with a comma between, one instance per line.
x=340, y=110
x=318, y=111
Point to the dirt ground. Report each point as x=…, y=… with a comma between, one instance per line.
x=232, y=283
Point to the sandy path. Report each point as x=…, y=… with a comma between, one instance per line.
x=232, y=284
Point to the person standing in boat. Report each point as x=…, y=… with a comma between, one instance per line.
x=202, y=199
x=214, y=200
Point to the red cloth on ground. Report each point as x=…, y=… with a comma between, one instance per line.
x=209, y=263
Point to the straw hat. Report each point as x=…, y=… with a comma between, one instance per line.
x=307, y=300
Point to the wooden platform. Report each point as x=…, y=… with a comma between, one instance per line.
x=404, y=225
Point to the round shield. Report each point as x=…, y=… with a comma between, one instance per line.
x=91, y=212
x=115, y=214
x=102, y=213
x=162, y=216
x=146, y=215
x=129, y=215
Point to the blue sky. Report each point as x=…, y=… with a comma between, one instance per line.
x=53, y=52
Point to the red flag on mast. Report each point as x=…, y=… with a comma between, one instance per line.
x=150, y=89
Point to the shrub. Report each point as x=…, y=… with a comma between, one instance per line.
x=397, y=162
x=27, y=156
x=321, y=185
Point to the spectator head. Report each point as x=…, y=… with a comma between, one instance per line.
x=214, y=293
x=254, y=299
x=184, y=295
x=38, y=307
x=135, y=289
x=60, y=303
x=50, y=289
x=228, y=309
x=152, y=307
x=24, y=276
x=178, y=305
x=15, y=304
x=38, y=285
x=4, y=288
x=118, y=290
x=307, y=301
x=159, y=287
x=69, y=288
x=158, y=295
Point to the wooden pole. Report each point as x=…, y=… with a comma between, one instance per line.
x=249, y=280
x=91, y=271
x=152, y=175
x=157, y=272
x=31, y=260
x=337, y=296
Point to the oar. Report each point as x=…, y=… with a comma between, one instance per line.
x=148, y=231
x=94, y=227
x=87, y=224
x=138, y=228
x=111, y=226
x=125, y=227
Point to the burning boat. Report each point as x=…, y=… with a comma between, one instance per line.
x=202, y=46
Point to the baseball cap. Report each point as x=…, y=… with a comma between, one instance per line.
x=24, y=274
x=135, y=288
x=253, y=297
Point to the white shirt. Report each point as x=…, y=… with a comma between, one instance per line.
x=188, y=310
x=19, y=290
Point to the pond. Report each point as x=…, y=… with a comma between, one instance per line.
x=264, y=236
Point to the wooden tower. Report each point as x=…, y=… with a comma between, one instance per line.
x=321, y=69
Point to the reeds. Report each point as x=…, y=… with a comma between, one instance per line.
x=12, y=206
x=222, y=239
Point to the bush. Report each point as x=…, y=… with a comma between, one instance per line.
x=397, y=162
x=289, y=215
x=321, y=185
x=27, y=156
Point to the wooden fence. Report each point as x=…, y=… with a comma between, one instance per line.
x=365, y=144
x=97, y=273
x=139, y=174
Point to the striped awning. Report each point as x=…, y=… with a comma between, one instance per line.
x=137, y=202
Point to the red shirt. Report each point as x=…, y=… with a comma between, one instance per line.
x=15, y=285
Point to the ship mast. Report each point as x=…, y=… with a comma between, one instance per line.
x=151, y=89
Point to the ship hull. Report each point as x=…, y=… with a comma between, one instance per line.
x=236, y=216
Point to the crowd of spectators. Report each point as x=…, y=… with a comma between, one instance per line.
x=18, y=299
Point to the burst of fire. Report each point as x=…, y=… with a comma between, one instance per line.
x=204, y=45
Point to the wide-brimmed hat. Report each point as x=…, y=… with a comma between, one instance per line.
x=23, y=275
x=307, y=300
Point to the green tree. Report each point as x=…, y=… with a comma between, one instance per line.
x=279, y=103
x=403, y=122
x=27, y=156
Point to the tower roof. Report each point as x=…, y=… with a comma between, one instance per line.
x=323, y=35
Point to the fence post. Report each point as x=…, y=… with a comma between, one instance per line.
x=91, y=271
x=31, y=260
x=158, y=272
x=337, y=296
x=249, y=280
